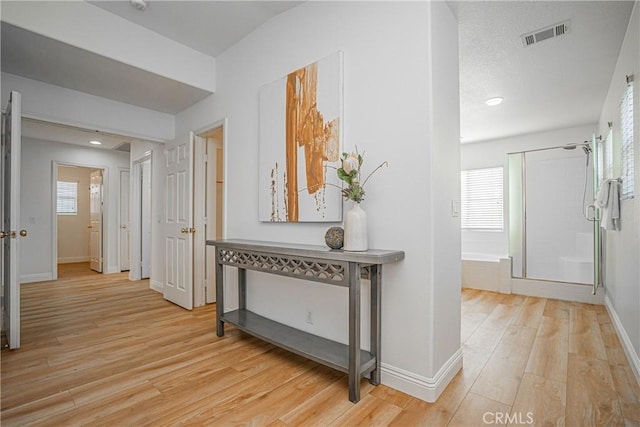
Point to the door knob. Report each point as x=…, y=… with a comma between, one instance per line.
x=123, y=226
x=88, y=226
x=3, y=234
x=23, y=233
x=184, y=230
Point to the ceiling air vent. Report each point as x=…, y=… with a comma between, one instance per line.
x=550, y=32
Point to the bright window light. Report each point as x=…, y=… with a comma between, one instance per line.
x=626, y=121
x=481, y=204
x=67, y=198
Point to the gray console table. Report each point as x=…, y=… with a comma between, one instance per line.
x=318, y=264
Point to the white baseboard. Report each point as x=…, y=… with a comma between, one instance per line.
x=72, y=259
x=37, y=277
x=424, y=388
x=156, y=286
x=632, y=356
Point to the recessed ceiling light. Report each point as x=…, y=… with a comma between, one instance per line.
x=492, y=102
x=94, y=142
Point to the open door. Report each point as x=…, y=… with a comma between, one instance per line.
x=95, y=217
x=207, y=212
x=178, y=286
x=10, y=213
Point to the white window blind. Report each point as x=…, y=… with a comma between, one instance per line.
x=626, y=121
x=67, y=202
x=482, y=199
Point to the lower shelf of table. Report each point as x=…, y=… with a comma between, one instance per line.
x=321, y=350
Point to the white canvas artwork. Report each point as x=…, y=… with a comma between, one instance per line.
x=300, y=144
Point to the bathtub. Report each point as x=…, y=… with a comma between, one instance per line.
x=493, y=273
x=487, y=272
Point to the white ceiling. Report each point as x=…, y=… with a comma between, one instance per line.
x=560, y=82
x=206, y=26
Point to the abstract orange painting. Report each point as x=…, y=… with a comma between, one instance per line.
x=300, y=144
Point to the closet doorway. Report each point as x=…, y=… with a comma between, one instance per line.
x=140, y=260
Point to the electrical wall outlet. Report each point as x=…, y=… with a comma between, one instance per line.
x=309, y=317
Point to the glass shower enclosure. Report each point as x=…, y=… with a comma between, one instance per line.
x=553, y=231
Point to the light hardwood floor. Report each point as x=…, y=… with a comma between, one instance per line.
x=100, y=350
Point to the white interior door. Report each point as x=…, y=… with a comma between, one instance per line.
x=95, y=218
x=10, y=212
x=178, y=286
x=125, y=262
x=145, y=220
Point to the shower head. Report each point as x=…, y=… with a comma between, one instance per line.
x=574, y=145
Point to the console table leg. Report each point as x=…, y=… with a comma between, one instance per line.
x=219, y=296
x=376, y=289
x=354, y=332
x=242, y=288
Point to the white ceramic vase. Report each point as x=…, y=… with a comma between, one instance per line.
x=355, y=229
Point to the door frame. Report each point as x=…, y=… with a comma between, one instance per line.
x=10, y=262
x=135, y=198
x=199, y=289
x=128, y=220
x=54, y=212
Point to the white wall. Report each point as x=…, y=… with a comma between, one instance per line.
x=623, y=247
x=73, y=234
x=59, y=105
x=494, y=153
x=36, y=205
x=445, y=188
x=400, y=105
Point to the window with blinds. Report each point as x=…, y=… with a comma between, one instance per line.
x=67, y=201
x=626, y=121
x=481, y=206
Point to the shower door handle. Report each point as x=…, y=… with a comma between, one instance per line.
x=593, y=211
